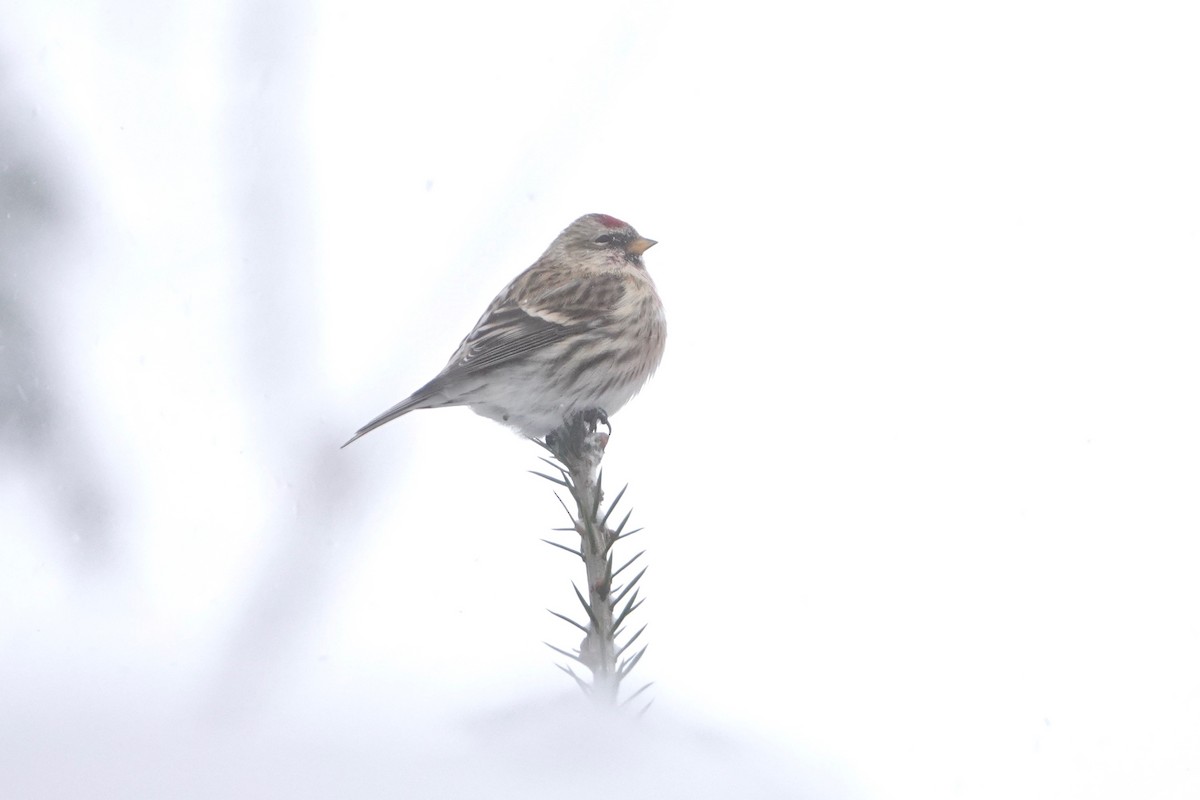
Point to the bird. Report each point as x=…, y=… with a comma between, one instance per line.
x=579, y=331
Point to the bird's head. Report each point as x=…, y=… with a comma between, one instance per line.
x=600, y=234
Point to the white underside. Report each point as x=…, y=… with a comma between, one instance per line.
x=538, y=415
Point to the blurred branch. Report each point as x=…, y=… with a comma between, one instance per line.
x=45, y=433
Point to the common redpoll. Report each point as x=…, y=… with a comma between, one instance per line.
x=580, y=330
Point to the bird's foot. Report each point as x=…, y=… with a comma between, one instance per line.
x=594, y=417
x=570, y=440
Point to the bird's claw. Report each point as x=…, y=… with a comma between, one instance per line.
x=576, y=428
x=595, y=417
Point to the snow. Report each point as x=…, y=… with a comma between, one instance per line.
x=917, y=473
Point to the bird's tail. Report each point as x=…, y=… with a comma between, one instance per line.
x=420, y=399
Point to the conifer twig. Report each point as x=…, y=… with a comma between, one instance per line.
x=578, y=448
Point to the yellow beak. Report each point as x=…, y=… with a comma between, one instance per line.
x=640, y=245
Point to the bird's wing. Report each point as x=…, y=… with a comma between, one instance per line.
x=518, y=323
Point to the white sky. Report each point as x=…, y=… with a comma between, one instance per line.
x=918, y=474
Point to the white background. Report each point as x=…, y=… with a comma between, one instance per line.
x=919, y=472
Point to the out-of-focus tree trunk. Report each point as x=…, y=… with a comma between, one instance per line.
x=42, y=436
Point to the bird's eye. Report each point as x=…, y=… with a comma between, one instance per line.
x=604, y=238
